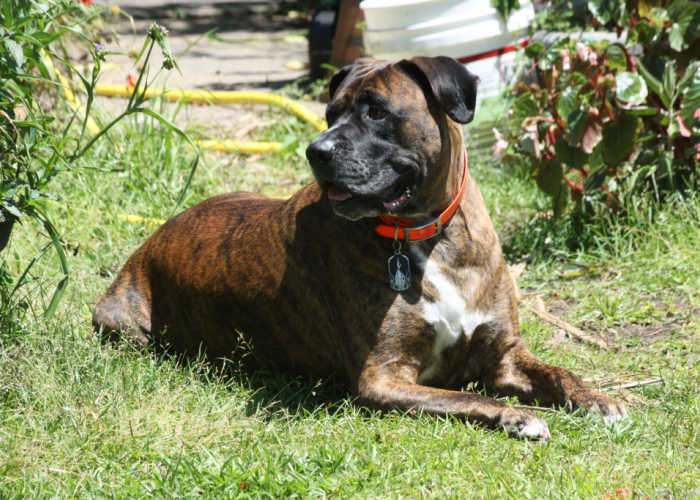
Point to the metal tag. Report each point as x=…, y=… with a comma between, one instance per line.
x=399, y=272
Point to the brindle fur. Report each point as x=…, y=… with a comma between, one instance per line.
x=308, y=288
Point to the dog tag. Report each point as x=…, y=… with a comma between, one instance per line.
x=399, y=271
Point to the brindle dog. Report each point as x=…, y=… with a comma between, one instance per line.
x=305, y=281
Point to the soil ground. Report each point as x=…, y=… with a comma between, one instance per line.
x=255, y=45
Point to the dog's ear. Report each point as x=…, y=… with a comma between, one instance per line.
x=337, y=79
x=453, y=86
x=361, y=66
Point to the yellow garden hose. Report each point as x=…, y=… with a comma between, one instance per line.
x=197, y=97
x=249, y=147
x=149, y=221
x=220, y=97
x=200, y=97
x=224, y=97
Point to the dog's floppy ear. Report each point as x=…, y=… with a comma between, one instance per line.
x=362, y=66
x=337, y=79
x=453, y=86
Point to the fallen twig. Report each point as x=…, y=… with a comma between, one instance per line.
x=538, y=408
x=537, y=306
x=629, y=385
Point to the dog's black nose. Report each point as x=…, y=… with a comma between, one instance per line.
x=320, y=152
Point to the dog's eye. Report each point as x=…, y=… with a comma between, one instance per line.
x=376, y=113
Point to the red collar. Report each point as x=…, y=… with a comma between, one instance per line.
x=405, y=229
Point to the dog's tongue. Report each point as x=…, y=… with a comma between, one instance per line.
x=337, y=194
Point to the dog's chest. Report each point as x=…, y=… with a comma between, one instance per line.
x=446, y=309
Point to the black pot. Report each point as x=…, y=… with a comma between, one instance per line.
x=5, y=230
x=321, y=42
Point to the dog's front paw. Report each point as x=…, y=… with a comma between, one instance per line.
x=610, y=409
x=524, y=425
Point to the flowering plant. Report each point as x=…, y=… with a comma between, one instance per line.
x=35, y=145
x=601, y=125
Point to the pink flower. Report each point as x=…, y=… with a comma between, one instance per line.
x=682, y=127
x=586, y=54
x=500, y=146
x=565, y=59
x=583, y=50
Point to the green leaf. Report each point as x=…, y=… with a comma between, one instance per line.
x=16, y=53
x=42, y=218
x=11, y=209
x=675, y=37
x=528, y=146
x=670, y=81
x=641, y=111
x=605, y=10
x=619, y=138
x=630, y=88
x=690, y=99
x=616, y=56
x=686, y=18
x=644, y=32
x=567, y=102
x=505, y=7
x=570, y=155
x=637, y=178
x=576, y=121
x=653, y=82
x=664, y=170
x=534, y=49
x=560, y=200
x=595, y=179
x=549, y=177
x=691, y=76
x=524, y=106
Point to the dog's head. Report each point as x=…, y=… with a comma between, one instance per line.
x=384, y=150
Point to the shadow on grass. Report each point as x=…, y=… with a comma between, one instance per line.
x=543, y=237
x=276, y=393
x=272, y=392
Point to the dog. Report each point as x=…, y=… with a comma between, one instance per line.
x=386, y=272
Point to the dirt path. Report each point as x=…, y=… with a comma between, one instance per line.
x=251, y=49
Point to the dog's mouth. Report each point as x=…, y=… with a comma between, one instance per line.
x=336, y=193
x=392, y=199
x=397, y=197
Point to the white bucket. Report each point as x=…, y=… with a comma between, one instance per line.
x=471, y=31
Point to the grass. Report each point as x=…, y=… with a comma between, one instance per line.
x=81, y=419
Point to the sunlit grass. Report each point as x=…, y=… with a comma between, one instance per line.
x=82, y=419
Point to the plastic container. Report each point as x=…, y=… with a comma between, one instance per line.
x=471, y=31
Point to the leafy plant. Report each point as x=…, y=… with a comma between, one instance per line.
x=505, y=7
x=601, y=125
x=35, y=146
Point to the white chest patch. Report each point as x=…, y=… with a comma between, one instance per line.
x=448, y=315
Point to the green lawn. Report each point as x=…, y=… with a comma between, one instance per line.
x=81, y=419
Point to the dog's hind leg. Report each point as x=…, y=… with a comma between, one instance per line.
x=123, y=310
